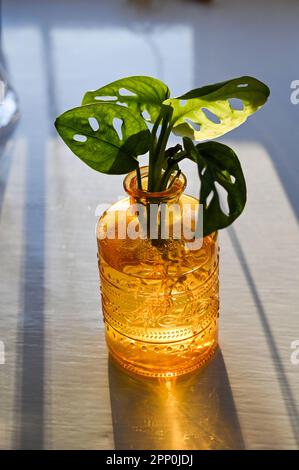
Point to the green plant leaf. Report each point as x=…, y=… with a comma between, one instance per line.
x=141, y=94
x=211, y=111
x=218, y=167
x=92, y=134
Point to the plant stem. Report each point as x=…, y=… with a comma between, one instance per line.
x=177, y=175
x=157, y=181
x=152, y=153
x=160, y=151
x=138, y=174
x=180, y=156
x=172, y=163
x=167, y=174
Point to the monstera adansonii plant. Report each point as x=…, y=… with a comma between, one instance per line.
x=129, y=117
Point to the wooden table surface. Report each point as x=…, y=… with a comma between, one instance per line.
x=57, y=386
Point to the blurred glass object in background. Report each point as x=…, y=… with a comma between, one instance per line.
x=9, y=109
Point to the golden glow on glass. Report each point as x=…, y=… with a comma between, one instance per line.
x=160, y=299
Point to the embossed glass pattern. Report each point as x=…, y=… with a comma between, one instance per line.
x=159, y=298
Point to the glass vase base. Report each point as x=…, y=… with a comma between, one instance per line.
x=169, y=359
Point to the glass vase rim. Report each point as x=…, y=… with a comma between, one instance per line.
x=131, y=187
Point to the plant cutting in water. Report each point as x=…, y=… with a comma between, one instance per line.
x=160, y=297
x=131, y=116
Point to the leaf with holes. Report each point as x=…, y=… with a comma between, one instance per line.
x=220, y=172
x=107, y=137
x=211, y=111
x=143, y=95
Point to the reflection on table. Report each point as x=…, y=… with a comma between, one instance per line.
x=195, y=411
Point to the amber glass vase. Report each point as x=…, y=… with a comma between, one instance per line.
x=159, y=293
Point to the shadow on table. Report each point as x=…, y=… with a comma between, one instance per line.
x=196, y=411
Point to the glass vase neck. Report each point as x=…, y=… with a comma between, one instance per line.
x=169, y=195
